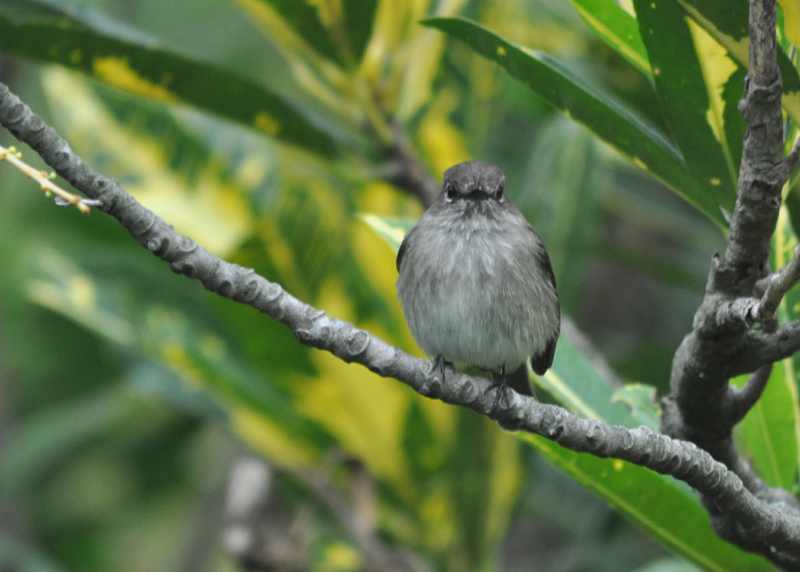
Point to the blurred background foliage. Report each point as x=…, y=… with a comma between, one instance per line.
x=270, y=132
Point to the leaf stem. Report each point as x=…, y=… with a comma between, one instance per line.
x=44, y=180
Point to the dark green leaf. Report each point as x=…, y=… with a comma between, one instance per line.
x=18, y=556
x=568, y=161
x=471, y=488
x=601, y=113
x=617, y=28
x=688, y=99
x=669, y=512
x=769, y=433
x=359, y=17
x=732, y=118
x=145, y=68
x=199, y=358
x=423, y=451
x=727, y=22
x=304, y=17
x=57, y=433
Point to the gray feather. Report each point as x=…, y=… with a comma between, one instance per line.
x=475, y=281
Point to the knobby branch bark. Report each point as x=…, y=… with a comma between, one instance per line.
x=734, y=329
x=733, y=506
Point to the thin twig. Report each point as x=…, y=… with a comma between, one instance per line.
x=44, y=180
x=742, y=400
x=775, y=287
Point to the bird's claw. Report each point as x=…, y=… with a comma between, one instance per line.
x=503, y=391
x=439, y=365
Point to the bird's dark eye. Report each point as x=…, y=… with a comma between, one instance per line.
x=450, y=193
x=499, y=194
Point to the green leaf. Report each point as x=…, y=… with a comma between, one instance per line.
x=569, y=162
x=732, y=119
x=642, y=402
x=424, y=452
x=576, y=384
x=359, y=17
x=260, y=409
x=145, y=68
x=162, y=160
x=604, y=115
x=56, y=434
x=768, y=434
x=340, y=37
x=392, y=230
x=726, y=21
x=304, y=17
x=687, y=85
x=669, y=512
x=617, y=28
x=203, y=359
x=470, y=488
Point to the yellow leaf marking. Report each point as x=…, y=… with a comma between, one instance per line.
x=717, y=67
x=265, y=122
x=118, y=72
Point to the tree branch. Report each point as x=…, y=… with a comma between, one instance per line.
x=772, y=528
x=775, y=287
x=702, y=407
x=769, y=347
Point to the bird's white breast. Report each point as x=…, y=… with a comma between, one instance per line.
x=475, y=294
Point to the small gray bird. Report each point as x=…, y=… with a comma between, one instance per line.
x=475, y=281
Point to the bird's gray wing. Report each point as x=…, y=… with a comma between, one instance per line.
x=403, y=247
x=542, y=361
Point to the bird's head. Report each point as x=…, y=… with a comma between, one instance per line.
x=473, y=181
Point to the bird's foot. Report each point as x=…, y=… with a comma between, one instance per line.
x=503, y=390
x=439, y=365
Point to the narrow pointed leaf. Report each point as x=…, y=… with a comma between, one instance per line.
x=617, y=28
x=359, y=17
x=768, y=435
x=689, y=98
x=732, y=119
x=726, y=21
x=669, y=512
x=143, y=67
x=607, y=117
x=304, y=18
